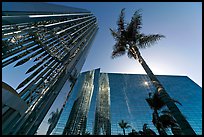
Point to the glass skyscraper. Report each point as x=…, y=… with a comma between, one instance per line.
x=55, y=40
x=119, y=97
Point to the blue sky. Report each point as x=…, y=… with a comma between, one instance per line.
x=180, y=53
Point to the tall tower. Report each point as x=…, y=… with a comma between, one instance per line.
x=56, y=39
x=76, y=124
x=102, y=117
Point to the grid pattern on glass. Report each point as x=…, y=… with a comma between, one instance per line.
x=189, y=94
x=128, y=100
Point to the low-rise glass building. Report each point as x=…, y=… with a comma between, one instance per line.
x=122, y=97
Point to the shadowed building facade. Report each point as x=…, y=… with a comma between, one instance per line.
x=55, y=40
x=119, y=97
x=13, y=107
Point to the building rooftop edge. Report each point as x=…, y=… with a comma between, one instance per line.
x=133, y=73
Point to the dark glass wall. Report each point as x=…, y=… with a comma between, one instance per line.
x=128, y=93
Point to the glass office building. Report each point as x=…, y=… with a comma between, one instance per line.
x=102, y=125
x=123, y=98
x=76, y=123
x=52, y=42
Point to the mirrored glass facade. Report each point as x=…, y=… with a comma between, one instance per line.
x=76, y=124
x=127, y=94
x=102, y=125
x=86, y=83
x=128, y=100
x=55, y=40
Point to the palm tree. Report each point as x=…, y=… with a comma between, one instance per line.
x=169, y=122
x=124, y=125
x=147, y=130
x=157, y=123
x=128, y=40
x=53, y=121
x=164, y=121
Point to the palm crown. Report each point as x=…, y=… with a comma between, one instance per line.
x=124, y=125
x=129, y=36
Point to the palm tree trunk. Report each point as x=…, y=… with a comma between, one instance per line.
x=124, y=131
x=183, y=123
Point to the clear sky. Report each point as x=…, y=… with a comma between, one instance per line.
x=180, y=53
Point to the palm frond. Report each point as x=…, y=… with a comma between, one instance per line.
x=135, y=25
x=124, y=124
x=115, y=34
x=121, y=20
x=147, y=40
x=137, y=18
x=119, y=49
x=117, y=54
x=166, y=120
x=176, y=130
x=176, y=101
x=155, y=102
